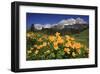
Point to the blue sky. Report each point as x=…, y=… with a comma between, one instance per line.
x=41, y=18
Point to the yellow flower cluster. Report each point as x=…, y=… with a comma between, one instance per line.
x=51, y=38
x=40, y=46
x=72, y=44
x=69, y=44
x=67, y=50
x=60, y=40
x=40, y=40
x=37, y=48
x=55, y=44
x=57, y=39
x=30, y=35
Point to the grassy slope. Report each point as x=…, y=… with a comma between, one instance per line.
x=83, y=37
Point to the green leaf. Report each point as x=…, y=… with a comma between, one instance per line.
x=42, y=57
x=34, y=40
x=81, y=55
x=39, y=35
x=52, y=55
x=60, y=54
x=51, y=46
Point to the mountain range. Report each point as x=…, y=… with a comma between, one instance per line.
x=68, y=25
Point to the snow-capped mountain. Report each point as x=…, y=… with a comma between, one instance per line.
x=80, y=21
x=71, y=23
x=46, y=26
x=38, y=26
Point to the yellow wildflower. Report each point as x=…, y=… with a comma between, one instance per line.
x=72, y=38
x=86, y=49
x=35, y=45
x=77, y=45
x=78, y=51
x=51, y=38
x=29, y=51
x=44, y=44
x=44, y=36
x=73, y=54
x=40, y=39
x=67, y=50
x=60, y=40
x=73, y=45
x=36, y=52
x=68, y=44
x=57, y=33
x=48, y=51
x=55, y=44
x=30, y=34
x=40, y=46
x=68, y=38
x=31, y=48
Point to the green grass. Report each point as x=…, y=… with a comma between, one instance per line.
x=83, y=37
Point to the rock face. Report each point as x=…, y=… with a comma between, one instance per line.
x=66, y=25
